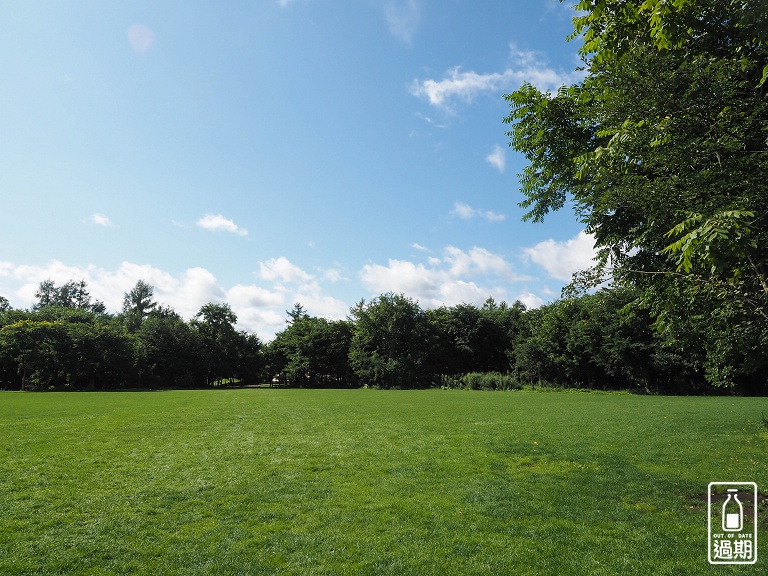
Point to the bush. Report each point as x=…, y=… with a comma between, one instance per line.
x=446, y=382
x=490, y=381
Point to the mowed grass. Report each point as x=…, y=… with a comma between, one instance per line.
x=311, y=482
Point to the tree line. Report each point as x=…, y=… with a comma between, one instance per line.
x=606, y=340
x=67, y=341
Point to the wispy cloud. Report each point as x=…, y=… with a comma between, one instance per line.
x=466, y=212
x=100, y=220
x=497, y=158
x=141, y=38
x=463, y=211
x=457, y=86
x=403, y=18
x=217, y=222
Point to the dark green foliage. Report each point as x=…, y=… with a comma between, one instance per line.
x=226, y=353
x=171, y=352
x=489, y=381
x=138, y=304
x=605, y=340
x=71, y=295
x=311, y=351
x=65, y=348
x=470, y=339
x=663, y=151
x=613, y=339
x=391, y=343
x=67, y=343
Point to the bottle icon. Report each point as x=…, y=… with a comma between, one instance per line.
x=733, y=512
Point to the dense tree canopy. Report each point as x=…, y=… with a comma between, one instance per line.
x=72, y=295
x=606, y=340
x=311, y=351
x=67, y=342
x=391, y=342
x=663, y=151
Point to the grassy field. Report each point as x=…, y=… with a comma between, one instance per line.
x=263, y=481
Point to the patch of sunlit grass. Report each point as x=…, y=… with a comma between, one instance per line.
x=367, y=482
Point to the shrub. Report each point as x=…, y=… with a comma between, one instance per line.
x=446, y=382
x=490, y=381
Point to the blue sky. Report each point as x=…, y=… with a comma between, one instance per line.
x=273, y=151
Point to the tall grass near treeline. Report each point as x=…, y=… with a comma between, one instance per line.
x=481, y=381
x=315, y=482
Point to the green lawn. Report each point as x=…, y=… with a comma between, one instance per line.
x=267, y=481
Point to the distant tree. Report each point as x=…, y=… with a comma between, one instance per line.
x=390, y=343
x=170, y=353
x=99, y=353
x=72, y=295
x=250, y=366
x=47, y=295
x=137, y=304
x=471, y=339
x=5, y=305
x=215, y=323
x=33, y=348
x=67, y=348
x=296, y=314
x=311, y=351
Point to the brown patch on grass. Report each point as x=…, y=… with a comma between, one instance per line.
x=699, y=502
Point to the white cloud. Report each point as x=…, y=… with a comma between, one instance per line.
x=492, y=216
x=259, y=309
x=403, y=18
x=141, y=38
x=251, y=295
x=463, y=211
x=417, y=246
x=403, y=276
x=100, y=220
x=332, y=275
x=530, y=300
x=476, y=260
x=457, y=85
x=429, y=120
x=463, y=87
x=449, y=280
x=280, y=269
x=319, y=304
x=185, y=294
x=562, y=258
x=466, y=212
x=217, y=222
x=497, y=158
